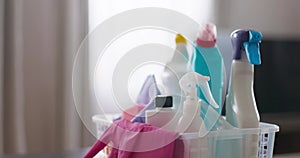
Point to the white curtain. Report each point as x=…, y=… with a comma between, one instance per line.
x=38, y=42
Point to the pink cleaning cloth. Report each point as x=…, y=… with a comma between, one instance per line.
x=136, y=140
x=130, y=113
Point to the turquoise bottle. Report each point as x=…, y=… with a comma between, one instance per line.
x=207, y=60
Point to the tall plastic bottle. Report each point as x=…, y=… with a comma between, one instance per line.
x=176, y=68
x=207, y=60
x=190, y=121
x=241, y=110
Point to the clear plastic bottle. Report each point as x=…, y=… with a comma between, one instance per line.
x=191, y=121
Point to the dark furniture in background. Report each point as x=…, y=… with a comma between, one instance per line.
x=277, y=91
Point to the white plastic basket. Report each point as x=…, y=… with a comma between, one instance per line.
x=222, y=143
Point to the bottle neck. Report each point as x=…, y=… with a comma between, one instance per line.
x=180, y=60
x=242, y=76
x=181, y=53
x=190, y=106
x=240, y=67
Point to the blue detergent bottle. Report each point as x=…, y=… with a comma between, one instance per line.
x=207, y=60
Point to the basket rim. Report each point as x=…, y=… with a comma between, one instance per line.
x=264, y=128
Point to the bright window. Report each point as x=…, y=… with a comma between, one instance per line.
x=100, y=10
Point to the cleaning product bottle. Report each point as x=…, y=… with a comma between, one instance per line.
x=191, y=120
x=241, y=110
x=176, y=68
x=207, y=60
x=162, y=116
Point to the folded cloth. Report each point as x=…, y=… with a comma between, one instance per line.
x=148, y=91
x=131, y=112
x=136, y=140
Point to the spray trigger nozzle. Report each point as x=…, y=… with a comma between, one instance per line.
x=188, y=83
x=252, y=47
x=249, y=41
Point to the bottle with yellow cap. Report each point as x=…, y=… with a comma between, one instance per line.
x=175, y=69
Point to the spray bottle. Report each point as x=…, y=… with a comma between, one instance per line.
x=241, y=110
x=207, y=60
x=190, y=121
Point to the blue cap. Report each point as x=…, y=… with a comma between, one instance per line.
x=248, y=40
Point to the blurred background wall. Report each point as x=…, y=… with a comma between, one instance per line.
x=277, y=78
x=274, y=18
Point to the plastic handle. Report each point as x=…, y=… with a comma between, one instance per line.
x=207, y=93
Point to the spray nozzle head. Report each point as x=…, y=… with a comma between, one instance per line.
x=249, y=41
x=188, y=83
